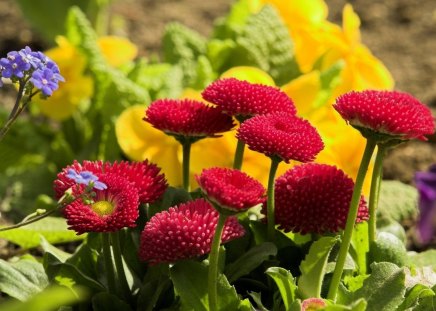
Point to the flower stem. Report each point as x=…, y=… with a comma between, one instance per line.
x=270, y=202
x=29, y=219
x=239, y=155
x=377, y=175
x=351, y=220
x=213, y=263
x=16, y=110
x=118, y=258
x=108, y=263
x=186, y=159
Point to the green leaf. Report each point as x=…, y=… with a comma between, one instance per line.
x=22, y=279
x=190, y=282
x=53, y=229
x=258, y=301
x=414, y=296
x=423, y=259
x=329, y=79
x=161, y=80
x=358, y=305
x=398, y=201
x=50, y=299
x=233, y=24
x=384, y=289
x=58, y=253
x=314, y=266
x=285, y=283
x=107, y=302
x=266, y=43
x=250, y=260
x=68, y=275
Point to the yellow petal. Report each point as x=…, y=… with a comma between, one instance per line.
x=350, y=25
x=301, y=11
x=250, y=74
x=117, y=50
x=139, y=141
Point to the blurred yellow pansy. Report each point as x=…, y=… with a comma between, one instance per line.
x=78, y=87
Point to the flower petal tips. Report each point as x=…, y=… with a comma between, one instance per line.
x=315, y=198
x=244, y=99
x=184, y=231
x=280, y=135
x=231, y=189
x=391, y=113
x=187, y=118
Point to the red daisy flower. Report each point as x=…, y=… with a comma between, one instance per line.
x=113, y=209
x=315, y=198
x=143, y=175
x=230, y=188
x=187, y=118
x=280, y=135
x=387, y=112
x=184, y=231
x=244, y=99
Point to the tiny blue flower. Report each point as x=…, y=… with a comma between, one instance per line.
x=14, y=65
x=45, y=80
x=85, y=178
x=31, y=57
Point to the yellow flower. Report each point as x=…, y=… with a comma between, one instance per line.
x=78, y=87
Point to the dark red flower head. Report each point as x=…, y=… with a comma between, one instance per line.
x=231, y=189
x=111, y=210
x=280, y=135
x=185, y=231
x=187, y=118
x=245, y=99
x=387, y=112
x=144, y=176
x=315, y=198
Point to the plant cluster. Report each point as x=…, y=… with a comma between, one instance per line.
x=236, y=187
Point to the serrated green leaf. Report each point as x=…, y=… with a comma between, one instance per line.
x=285, y=283
x=250, y=260
x=313, y=267
x=233, y=24
x=204, y=73
x=384, y=289
x=53, y=229
x=266, y=43
x=22, y=279
x=397, y=201
x=161, y=80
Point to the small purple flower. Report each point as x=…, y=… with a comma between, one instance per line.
x=14, y=65
x=32, y=57
x=426, y=185
x=86, y=178
x=45, y=80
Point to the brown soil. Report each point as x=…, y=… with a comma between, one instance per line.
x=400, y=32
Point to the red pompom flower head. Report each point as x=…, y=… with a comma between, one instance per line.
x=184, y=231
x=282, y=136
x=116, y=191
x=315, y=198
x=243, y=99
x=386, y=115
x=230, y=190
x=187, y=120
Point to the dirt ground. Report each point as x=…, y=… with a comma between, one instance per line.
x=402, y=33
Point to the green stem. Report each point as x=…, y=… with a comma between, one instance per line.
x=351, y=220
x=186, y=159
x=28, y=220
x=213, y=264
x=16, y=110
x=239, y=155
x=118, y=258
x=270, y=197
x=108, y=263
x=377, y=175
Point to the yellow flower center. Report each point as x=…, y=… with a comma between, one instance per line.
x=103, y=208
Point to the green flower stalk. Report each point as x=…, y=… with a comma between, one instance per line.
x=239, y=155
x=270, y=201
x=187, y=121
x=351, y=220
x=230, y=191
x=384, y=118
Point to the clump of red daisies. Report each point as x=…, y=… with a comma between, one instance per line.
x=118, y=189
